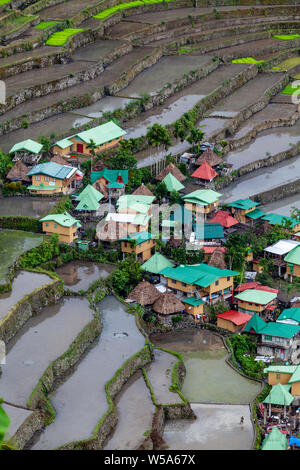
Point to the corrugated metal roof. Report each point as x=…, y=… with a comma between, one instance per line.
x=65, y=219
x=235, y=317
x=208, y=231
x=282, y=330
x=202, y=196
x=101, y=134
x=256, y=296
x=243, y=204
x=172, y=183
x=29, y=145
x=280, y=395
x=293, y=256
x=53, y=169
x=282, y=247
x=156, y=264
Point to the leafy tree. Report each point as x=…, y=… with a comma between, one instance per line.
x=158, y=135
x=175, y=197
x=124, y=160
x=5, y=164
x=195, y=137
x=127, y=276
x=46, y=143
x=161, y=190
x=92, y=147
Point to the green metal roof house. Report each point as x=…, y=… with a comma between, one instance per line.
x=280, y=395
x=172, y=183
x=244, y=204
x=293, y=256
x=275, y=440
x=281, y=330
x=156, y=264
x=28, y=146
x=256, y=296
x=110, y=176
x=290, y=315
x=203, y=197
x=274, y=219
x=139, y=237
x=89, y=199
x=65, y=219
x=64, y=225
x=209, y=231
x=52, y=169
x=255, y=324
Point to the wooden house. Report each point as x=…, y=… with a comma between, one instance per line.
x=139, y=243
x=256, y=301
x=205, y=174
x=292, y=260
x=27, y=149
x=201, y=203
x=232, y=320
x=51, y=178
x=104, y=136
x=194, y=306
x=276, y=219
x=245, y=210
x=278, y=251
x=62, y=224
x=285, y=375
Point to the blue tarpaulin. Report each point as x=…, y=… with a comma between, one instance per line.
x=294, y=441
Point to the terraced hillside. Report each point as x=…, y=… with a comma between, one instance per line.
x=141, y=63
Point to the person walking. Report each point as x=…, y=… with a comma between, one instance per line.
x=242, y=420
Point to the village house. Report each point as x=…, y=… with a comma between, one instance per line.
x=201, y=203
x=278, y=251
x=156, y=264
x=285, y=375
x=276, y=340
x=52, y=178
x=194, y=307
x=256, y=301
x=204, y=175
x=232, y=320
x=224, y=218
x=28, y=151
x=18, y=173
x=275, y=219
x=89, y=199
x=168, y=304
x=254, y=325
x=207, y=234
x=275, y=440
x=143, y=191
x=171, y=168
x=114, y=181
x=290, y=316
x=139, y=243
x=245, y=210
x=200, y=280
x=104, y=137
x=292, y=260
x=172, y=183
x=62, y=224
x=210, y=157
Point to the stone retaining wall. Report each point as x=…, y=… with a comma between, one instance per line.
x=280, y=192
x=30, y=305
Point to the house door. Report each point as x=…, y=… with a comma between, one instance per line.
x=80, y=148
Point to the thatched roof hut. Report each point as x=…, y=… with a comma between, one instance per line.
x=18, y=172
x=144, y=293
x=210, y=157
x=167, y=304
x=171, y=168
x=60, y=160
x=98, y=166
x=143, y=191
x=218, y=259
x=101, y=188
x=174, y=242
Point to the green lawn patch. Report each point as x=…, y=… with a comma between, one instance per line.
x=247, y=60
x=60, y=37
x=290, y=90
x=46, y=24
x=137, y=3
x=286, y=37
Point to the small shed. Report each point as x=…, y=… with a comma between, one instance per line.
x=232, y=320
x=194, y=306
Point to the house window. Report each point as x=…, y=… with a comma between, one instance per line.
x=55, y=225
x=174, y=281
x=268, y=338
x=47, y=178
x=228, y=278
x=38, y=178
x=217, y=283
x=183, y=284
x=47, y=225
x=277, y=376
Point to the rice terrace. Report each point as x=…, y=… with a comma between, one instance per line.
x=150, y=225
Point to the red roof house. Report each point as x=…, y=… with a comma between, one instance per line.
x=255, y=285
x=224, y=218
x=232, y=320
x=205, y=172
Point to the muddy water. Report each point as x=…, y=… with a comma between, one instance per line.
x=208, y=377
x=216, y=428
x=262, y=180
x=167, y=69
x=24, y=283
x=269, y=142
x=78, y=275
x=134, y=416
x=12, y=244
x=109, y=103
x=26, y=206
x=82, y=398
x=42, y=339
x=283, y=206
x=160, y=376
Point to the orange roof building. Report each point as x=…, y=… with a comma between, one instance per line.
x=205, y=172
x=232, y=320
x=224, y=218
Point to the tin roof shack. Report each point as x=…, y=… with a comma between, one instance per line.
x=245, y=210
x=200, y=280
x=256, y=301
x=27, y=150
x=278, y=251
x=139, y=243
x=104, y=136
x=290, y=316
x=201, y=203
x=63, y=224
x=275, y=440
x=51, y=178
x=89, y=199
x=194, y=306
x=232, y=320
x=292, y=260
x=207, y=234
x=276, y=340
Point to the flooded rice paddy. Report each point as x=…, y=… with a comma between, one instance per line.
x=81, y=398
x=208, y=377
x=24, y=283
x=217, y=427
x=12, y=244
x=41, y=340
x=78, y=275
x=283, y=206
x=17, y=417
x=134, y=415
x=26, y=206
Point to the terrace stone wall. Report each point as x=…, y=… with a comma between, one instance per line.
x=29, y=306
x=280, y=192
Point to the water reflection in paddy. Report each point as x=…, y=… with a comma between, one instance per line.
x=78, y=275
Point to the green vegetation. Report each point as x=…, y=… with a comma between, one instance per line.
x=127, y=276
x=45, y=252
x=46, y=24
x=15, y=187
x=247, y=60
x=291, y=90
x=60, y=37
x=286, y=37
x=27, y=224
x=4, y=424
x=110, y=11
x=4, y=2
x=244, y=352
